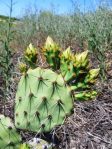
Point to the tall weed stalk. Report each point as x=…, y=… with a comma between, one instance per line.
x=6, y=55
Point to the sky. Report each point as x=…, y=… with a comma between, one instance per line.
x=59, y=6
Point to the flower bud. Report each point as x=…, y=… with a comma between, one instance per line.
x=92, y=76
x=67, y=54
x=50, y=45
x=31, y=54
x=81, y=60
x=22, y=68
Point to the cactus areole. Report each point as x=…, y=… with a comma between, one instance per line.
x=42, y=101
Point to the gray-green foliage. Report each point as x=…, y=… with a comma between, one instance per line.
x=99, y=35
x=94, y=28
x=54, y=25
x=63, y=27
x=26, y=29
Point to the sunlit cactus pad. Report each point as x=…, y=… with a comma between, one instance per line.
x=42, y=101
x=9, y=138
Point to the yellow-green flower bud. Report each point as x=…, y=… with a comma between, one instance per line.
x=31, y=54
x=22, y=68
x=93, y=74
x=67, y=54
x=50, y=45
x=81, y=60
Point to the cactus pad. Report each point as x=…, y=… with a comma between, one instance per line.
x=42, y=101
x=9, y=138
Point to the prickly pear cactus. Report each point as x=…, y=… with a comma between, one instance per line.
x=9, y=138
x=42, y=101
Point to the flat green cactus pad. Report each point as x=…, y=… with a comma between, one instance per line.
x=42, y=101
x=9, y=138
